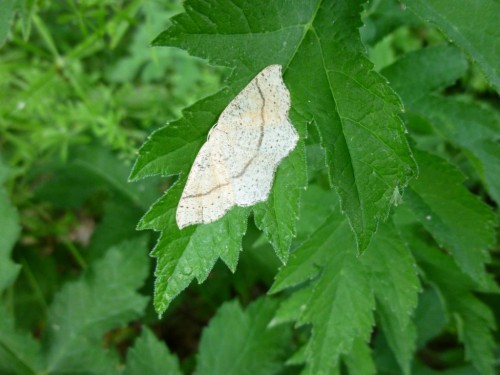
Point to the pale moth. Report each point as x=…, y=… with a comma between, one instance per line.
x=236, y=165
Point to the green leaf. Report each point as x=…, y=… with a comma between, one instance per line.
x=90, y=169
x=150, y=356
x=291, y=308
x=468, y=125
x=455, y=22
x=190, y=253
x=103, y=299
x=458, y=220
x=473, y=319
x=171, y=150
x=401, y=339
x=93, y=171
x=383, y=17
x=316, y=206
x=306, y=261
x=118, y=223
x=20, y=354
x=430, y=317
x=394, y=276
x=353, y=107
x=472, y=127
x=340, y=310
x=298, y=358
x=395, y=284
x=359, y=361
x=383, y=356
x=335, y=87
x=338, y=303
x=9, y=232
x=239, y=342
x=9, y=9
x=427, y=70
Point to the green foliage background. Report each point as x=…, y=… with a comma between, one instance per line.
x=376, y=252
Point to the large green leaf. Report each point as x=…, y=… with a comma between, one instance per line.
x=340, y=309
x=331, y=85
x=457, y=219
x=472, y=25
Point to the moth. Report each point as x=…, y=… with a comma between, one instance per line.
x=237, y=163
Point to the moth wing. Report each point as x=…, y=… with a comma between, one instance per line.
x=208, y=193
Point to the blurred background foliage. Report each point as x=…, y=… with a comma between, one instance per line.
x=87, y=70
x=80, y=90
